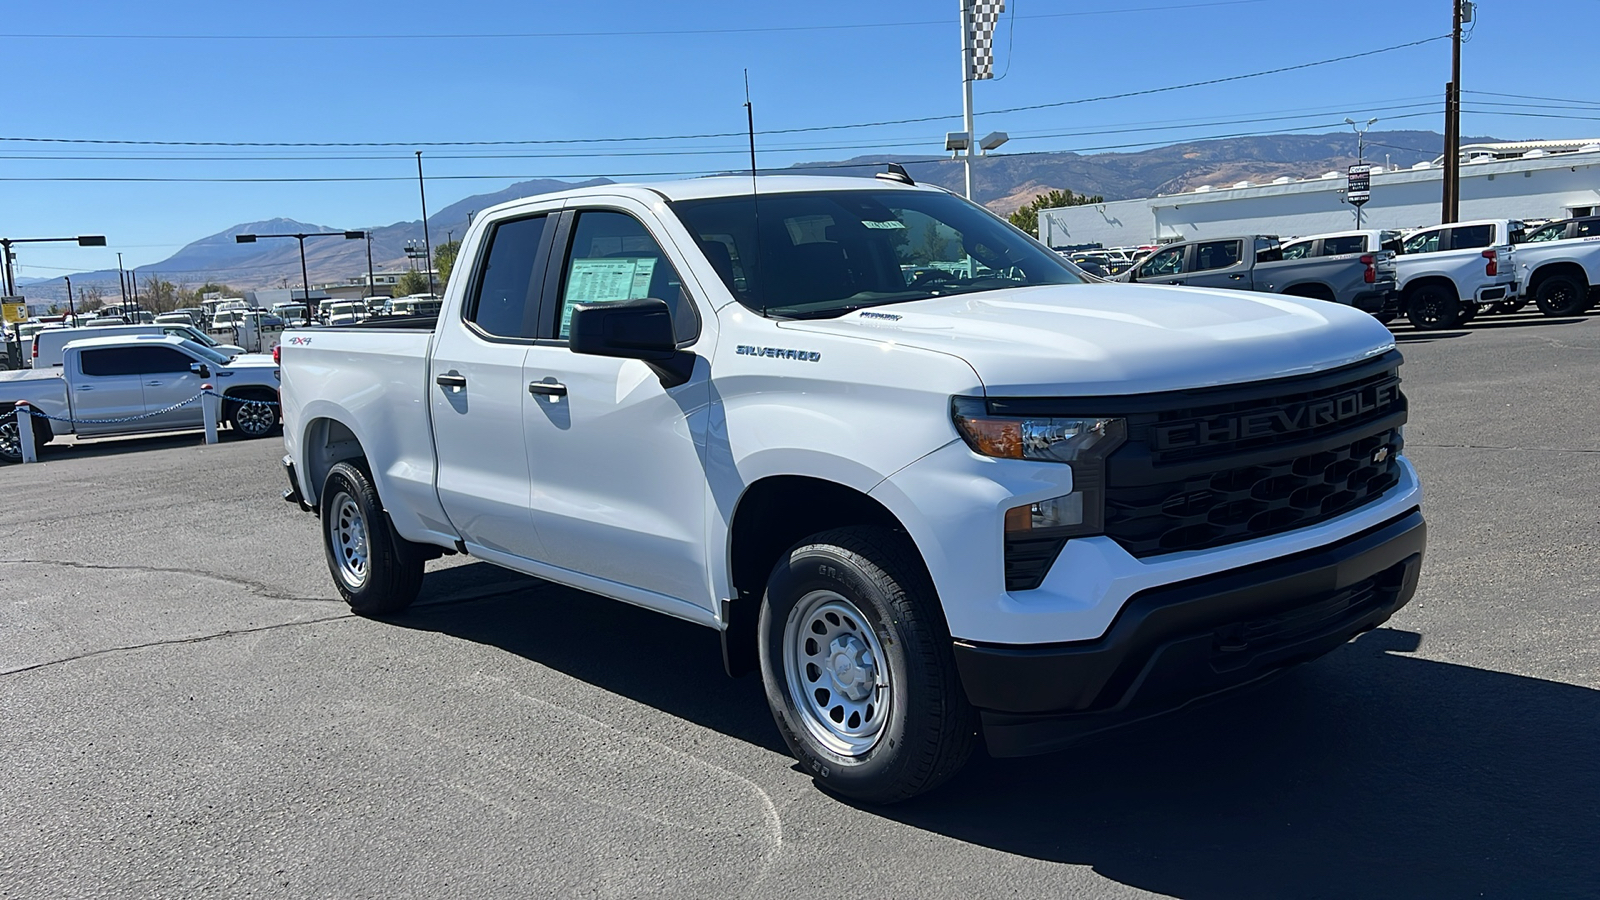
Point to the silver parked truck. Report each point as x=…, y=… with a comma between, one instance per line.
x=1364, y=280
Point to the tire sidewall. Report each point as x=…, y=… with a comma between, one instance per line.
x=1547, y=304
x=237, y=408
x=819, y=567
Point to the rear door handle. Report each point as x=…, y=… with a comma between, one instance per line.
x=1237, y=277
x=454, y=382
x=547, y=388
x=154, y=383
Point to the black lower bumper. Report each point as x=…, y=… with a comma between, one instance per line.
x=1377, y=301
x=1175, y=644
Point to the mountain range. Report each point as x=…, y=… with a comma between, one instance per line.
x=1002, y=182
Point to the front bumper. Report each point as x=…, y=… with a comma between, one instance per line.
x=1177, y=643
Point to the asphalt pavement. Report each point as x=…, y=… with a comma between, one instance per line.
x=187, y=709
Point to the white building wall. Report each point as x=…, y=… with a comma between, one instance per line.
x=1544, y=188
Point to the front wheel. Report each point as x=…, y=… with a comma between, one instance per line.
x=858, y=668
x=1562, y=295
x=1432, y=306
x=376, y=571
x=11, y=436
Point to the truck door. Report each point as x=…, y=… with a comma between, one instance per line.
x=167, y=382
x=106, y=385
x=1220, y=264
x=479, y=398
x=619, y=484
x=1164, y=267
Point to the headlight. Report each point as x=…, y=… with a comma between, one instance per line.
x=1082, y=443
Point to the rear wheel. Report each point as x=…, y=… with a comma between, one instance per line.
x=252, y=416
x=1562, y=295
x=1433, y=306
x=376, y=571
x=11, y=436
x=858, y=667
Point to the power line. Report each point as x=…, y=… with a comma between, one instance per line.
x=683, y=137
x=525, y=35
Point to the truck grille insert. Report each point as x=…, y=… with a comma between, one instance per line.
x=1245, y=502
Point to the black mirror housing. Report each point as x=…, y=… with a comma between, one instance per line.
x=201, y=369
x=630, y=329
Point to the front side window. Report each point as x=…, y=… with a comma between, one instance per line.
x=1555, y=231
x=503, y=304
x=1423, y=242
x=822, y=254
x=1297, y=250
x=1167, y=262
x=614, y=258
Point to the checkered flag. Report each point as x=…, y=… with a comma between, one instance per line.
x=982, y=17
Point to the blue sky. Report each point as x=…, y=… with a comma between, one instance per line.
x=301, y=71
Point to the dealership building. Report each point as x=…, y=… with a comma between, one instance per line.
x=1530, y=180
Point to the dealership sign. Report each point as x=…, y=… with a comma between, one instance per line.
x=1359, y=189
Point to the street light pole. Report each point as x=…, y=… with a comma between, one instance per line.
x=1361, y=137
x=305, y=278
x=372, y=284
x=427, y=245
x=71, y=313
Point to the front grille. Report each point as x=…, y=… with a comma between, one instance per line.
x=1212, y=466
x=1236, y=504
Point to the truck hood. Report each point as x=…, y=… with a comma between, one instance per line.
x=1101, y=339
x=253, y=361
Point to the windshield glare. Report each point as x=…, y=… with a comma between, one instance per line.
x=826, y=253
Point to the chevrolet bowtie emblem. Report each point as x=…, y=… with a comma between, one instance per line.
x=1381, y=455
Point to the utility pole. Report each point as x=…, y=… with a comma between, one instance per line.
x=71, y=313
x=427, y=245
x=122, y=281
x=1460, y=13
x=372, y=284
x=966, y=89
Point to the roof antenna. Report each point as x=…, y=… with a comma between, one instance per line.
x=755, y=203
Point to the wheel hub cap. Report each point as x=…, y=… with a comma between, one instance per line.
x=852, y=667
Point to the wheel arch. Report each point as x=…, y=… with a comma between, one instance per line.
x=1312, y=290
x=327, y=443
x=1564, y=267
x=1441, y=281
x=772, y=515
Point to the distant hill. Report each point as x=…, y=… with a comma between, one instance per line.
x=1002, y=182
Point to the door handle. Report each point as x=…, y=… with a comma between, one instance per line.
x=1176, y=281
x=1236, y=277
x=547, y=388
x=154, y=383
x=453, y=382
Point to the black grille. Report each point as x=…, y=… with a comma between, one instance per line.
x=1235, y=504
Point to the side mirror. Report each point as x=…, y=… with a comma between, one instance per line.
x=632, y=329
x=201, y=369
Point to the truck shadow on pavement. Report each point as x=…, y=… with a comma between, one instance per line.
x=1369, y=773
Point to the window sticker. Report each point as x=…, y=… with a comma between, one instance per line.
x=888, y=226
x=606, y=281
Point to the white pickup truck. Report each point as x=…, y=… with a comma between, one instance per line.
x=131, y=385
x=1560, y=264
x=914, y=469
x=1445, y=275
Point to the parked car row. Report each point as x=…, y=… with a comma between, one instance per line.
x=1437, y=277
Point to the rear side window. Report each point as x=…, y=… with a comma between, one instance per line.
x=1471, y=237
x=1338, y=246
x=1216, y=255
x=1588, y=228
x=1423, y=242
x=504, y=303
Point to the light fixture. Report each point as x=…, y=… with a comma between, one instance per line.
x=993, y=140
x=957, y=141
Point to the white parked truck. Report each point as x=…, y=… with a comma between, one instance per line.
x=1560, y=264
x=913, y=468
x=133, y=384
x=1450, y=273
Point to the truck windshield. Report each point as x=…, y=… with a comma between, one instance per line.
x=826, y=253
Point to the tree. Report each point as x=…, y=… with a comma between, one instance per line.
x=444, y=259
x=90, y=297
x=412, y=282
x=159, y=295
x=1027, y=218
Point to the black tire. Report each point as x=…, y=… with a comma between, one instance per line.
x=1469, y=311
x=11, y=436
x=252, y=420
x=926, y=729
x=377, y=576
x=1562, y=295
x=1433, y=306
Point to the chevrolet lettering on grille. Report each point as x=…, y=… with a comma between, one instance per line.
x=1280, y=421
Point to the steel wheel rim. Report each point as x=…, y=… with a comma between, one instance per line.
x=254, y=418
x=347, y=533
x=1560, y=296
x=836, y=672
